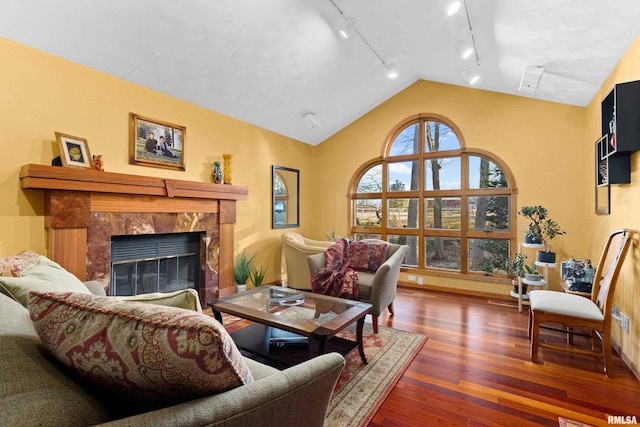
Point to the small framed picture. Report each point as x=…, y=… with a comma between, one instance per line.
x=156, y=143
x=74, y=151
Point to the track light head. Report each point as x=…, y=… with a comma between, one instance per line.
x=471, y=76
x=453, y=7
x=392, y=70
x=347, y=28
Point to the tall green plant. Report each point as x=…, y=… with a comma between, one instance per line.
x=242, y=268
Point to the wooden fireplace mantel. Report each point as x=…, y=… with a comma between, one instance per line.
x=73, y=194
x=77, y=179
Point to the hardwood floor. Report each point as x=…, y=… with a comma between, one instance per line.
x=475, y=371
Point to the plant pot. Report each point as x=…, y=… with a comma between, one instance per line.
x=241, y=288
x=546, y=257
x=515, y=288
x=531, y=240
x=532, y=277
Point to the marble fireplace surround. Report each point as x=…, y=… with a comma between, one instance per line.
x=83, y=208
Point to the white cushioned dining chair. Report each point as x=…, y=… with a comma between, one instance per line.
x=575, y=311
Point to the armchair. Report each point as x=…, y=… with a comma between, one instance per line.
x=296, y=249
x=379, y=288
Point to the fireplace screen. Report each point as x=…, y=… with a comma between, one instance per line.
x=145, y=263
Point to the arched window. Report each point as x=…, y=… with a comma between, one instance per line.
x=453, y=205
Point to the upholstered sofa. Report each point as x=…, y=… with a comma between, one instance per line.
x=377, y=288
x=37, y=389
x=296, y=248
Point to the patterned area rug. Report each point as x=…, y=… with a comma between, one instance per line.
x=361, y=389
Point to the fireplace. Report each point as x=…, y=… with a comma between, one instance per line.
x=84, y=209
x=147, y=263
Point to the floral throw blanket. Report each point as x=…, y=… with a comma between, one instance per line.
x=339, y=278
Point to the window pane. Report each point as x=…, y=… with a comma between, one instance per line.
x=489, y=213
x=406, y=142
x=442, y=173
x=439, y=137
x=368, y=213
x=362, y=236
x=483, y=173
x=442, y=252
x=371, y=181
x=442, y=212
x=488, y=255
x=411, y=258
x=402, y=213
x=403, y=176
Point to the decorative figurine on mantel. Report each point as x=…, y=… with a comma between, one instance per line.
x=97, y=163
x=217, y=173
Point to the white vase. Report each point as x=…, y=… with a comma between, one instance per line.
x=241, y=288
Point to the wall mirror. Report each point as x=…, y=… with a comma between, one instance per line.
x=285, y=197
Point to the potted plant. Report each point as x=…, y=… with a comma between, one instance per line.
x=242, y=270
x=257, y=275
x=550, y=229
x=536, y=215
x=532, y=273
x=516, y=268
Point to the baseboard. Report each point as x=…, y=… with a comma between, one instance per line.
x=634, y=369
x=481, y=294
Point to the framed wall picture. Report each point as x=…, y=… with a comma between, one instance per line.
x=74, y=151
x=156, y=143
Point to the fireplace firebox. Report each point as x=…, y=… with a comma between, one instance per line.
x=142, y=264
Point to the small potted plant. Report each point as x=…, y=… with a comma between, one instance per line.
x=516, y=268
x=532, y=274
x=242, y=270
x=550, y=229
x=536, y=215
x=257, y=275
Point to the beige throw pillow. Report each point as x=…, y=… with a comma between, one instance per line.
x=42, y=275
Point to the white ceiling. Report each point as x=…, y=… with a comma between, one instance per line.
x=269, y=62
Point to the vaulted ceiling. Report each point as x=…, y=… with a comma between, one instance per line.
x=270, y=62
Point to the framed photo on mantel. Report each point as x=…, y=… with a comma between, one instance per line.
x=156, y=143
x=74, y=151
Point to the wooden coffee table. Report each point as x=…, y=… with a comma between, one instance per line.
x=317, y=317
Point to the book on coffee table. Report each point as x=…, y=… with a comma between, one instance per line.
x=277, y=338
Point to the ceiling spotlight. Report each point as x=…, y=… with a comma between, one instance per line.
x=312, y=122
x=347, y=28
x=453, y=7
x=464, y=48
x=392, y=70
x=471, y=76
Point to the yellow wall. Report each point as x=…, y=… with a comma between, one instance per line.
x=549, y=147
x=542, y=143
x=625, y=210
x=41, y=94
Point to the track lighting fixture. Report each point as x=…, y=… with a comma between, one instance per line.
x=348, y=28
x=392, y=70
x=468, y=48
x=453, y=7
x=471, y=75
